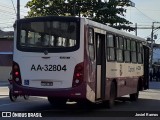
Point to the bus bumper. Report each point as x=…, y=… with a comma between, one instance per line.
x=72, y=93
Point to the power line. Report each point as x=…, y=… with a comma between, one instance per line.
x=144, y=27
x=5, y=6
x=150, y=10
x=13, y=6
x=145, y=15
x=8, y=12
x=6, y=23
x=156, y=31
x=157, y=40
x=6, y=27
x=9, y=15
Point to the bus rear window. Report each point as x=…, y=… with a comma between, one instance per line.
x=48, y=35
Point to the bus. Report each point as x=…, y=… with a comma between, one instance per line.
x=77, y=59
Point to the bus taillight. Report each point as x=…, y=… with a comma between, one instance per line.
x=78, y=75
x=16, y=73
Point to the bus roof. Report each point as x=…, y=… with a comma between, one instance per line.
x=49, y=18
x=113, y=30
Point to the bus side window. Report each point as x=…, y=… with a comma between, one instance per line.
x=127, y=50
x=119, y=48
x=133, y=52
x=99, y=47
x=139, y=52
x=91, y=44
x=111, y=55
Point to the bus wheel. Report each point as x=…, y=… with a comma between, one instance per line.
x=134, y=96
x=26, y=97
x=57, y=101
x=12, y=97
x=110, y=102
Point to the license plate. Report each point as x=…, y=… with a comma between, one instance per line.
x=46, y=83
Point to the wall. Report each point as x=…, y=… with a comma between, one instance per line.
x=5, y=73
x=156, y=55
x=6, y=57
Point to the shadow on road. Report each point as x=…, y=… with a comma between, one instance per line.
x=123, y=107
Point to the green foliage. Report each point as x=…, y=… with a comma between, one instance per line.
x=111, y=13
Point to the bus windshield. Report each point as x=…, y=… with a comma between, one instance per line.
x=48, y=35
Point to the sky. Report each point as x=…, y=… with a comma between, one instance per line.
x=8, y=13
x=144, y=14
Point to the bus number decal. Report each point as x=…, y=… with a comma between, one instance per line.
x=48, y=68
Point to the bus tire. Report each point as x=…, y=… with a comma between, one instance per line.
x=12, y=97
x=113, y=92
x=57, y=101
x=134, y=96
x=26, y=97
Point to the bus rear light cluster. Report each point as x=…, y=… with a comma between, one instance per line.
x=16, y=73
x=78, y=75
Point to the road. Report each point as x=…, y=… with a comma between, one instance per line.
x=149, y=100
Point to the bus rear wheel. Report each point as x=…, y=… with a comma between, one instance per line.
x=12, y=97
x=26, y=97
x=110, y=102
x=134, y=96
x=57, y=101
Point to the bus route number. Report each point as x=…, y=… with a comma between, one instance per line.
x=48, y=68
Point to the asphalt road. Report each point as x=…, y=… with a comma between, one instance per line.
x=149, y=101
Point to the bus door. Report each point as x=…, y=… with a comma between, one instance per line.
x=146, y=67
x=100, y=65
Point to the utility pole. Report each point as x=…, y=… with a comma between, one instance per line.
x=136, y=29
x=152, y=45
x=18, y=9
x=152, y=42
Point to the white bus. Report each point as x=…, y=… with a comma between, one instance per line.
x=71, y=58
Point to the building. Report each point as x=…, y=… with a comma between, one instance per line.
x=156, y=54
x=6, y=54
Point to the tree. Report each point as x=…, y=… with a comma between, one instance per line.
x=111, y=13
